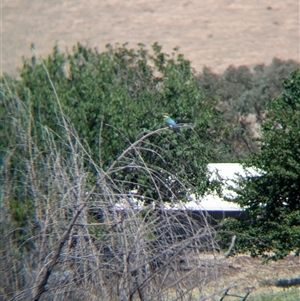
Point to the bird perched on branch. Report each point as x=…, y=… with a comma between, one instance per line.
x=171, y=123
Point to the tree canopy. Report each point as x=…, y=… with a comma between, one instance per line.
x=272, y=199
x=113, y=99
x=244, y=94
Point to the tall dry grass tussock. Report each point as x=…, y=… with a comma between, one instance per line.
x=74, y=243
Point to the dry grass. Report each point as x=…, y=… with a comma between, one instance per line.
x=72, y=243
x=217, y=34
x=251, y=273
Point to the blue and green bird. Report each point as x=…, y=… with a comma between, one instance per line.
x=171, y=123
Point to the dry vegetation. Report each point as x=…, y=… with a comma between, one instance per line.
x=263, y=278
x=75, y=245
x=214, y=33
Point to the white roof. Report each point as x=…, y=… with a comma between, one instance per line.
x=211, y=202
x=228, y=173
x=231, y=170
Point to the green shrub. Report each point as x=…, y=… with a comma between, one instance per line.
x=113, y=99
x=272, y=200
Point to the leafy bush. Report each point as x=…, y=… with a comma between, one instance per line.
x=272, y=200
x=114, y=99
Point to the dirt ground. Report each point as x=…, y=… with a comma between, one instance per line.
x=215, y=33
x=246, y=272
x=243, y=273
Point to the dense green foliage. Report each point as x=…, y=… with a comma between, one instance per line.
x=272, y=199
x=113, y=99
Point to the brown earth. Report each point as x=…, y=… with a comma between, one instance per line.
x=242, y=273
x=209, y=32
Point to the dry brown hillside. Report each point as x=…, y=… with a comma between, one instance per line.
x=212, y=33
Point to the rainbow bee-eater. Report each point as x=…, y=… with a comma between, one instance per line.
x=171, y=123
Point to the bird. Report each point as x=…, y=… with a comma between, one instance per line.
x=171, y=123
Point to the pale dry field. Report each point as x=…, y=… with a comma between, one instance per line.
x=213, y=33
